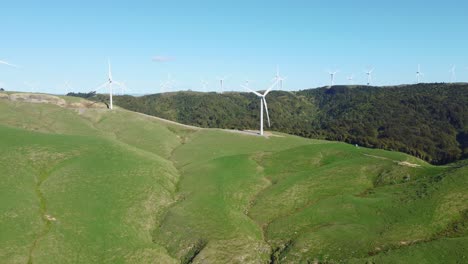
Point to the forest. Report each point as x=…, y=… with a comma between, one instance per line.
x=429, y=121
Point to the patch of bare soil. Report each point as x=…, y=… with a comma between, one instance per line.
x=49, y=99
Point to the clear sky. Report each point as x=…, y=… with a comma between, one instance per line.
x=58, y=41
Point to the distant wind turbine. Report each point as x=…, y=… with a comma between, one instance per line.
x=221, y=82
x=332, y=77
x=279, y=78
x=262, y=102
x=109, y=84
x=369, y=76
x=453, y=77
x=419, y=74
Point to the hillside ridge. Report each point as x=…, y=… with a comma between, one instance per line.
x=429, y=121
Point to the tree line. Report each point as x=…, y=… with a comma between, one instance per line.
x=429, y=121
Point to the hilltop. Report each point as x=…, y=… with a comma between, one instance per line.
x=82, y=184
x=428, y=121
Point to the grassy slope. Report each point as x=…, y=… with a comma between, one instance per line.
x=116, y=181
x=105, y=195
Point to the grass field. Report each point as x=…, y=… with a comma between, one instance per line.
x=88, y=185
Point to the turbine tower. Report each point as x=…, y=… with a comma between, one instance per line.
x=221, y=82
x=419, y=74
x=453, y=77
x=332, y=77
x=262, y=102
x=109, y=84
x=369, y=76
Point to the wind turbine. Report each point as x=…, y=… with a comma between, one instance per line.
x=279, y=78
x=221, y=82
x=419, y=74
x=350, y=79
x=262, y=102
x=369, y=76
x=453, y=76
x=332, y=77
x=109, y=84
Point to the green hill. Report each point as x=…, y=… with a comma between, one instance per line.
x=429, y=121
x=82, y=184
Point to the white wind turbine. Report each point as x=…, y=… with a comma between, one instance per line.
x=109, y=84
x=279, y=78
x=453, y=77
x=221, y=82
x=369, y=76
x=332, y=77
x=262, y=102
x=419, y=74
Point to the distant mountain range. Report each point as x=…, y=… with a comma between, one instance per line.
x=429, y=121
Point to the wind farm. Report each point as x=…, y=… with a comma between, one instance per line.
x=233, y=132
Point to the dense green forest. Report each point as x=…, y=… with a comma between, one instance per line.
x=429, y=121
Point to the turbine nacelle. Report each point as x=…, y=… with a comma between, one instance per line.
x=109, y=84
x=262, y=103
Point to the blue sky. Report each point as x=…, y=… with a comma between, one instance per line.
x=58, y=41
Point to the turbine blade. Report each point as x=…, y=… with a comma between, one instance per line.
x=271, y=87
x=247, y=88
x=102, y=86
x=266, y=109
x=8, y=64
x=110, y=72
